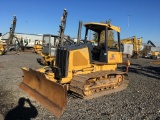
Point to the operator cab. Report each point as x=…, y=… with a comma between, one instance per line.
x=49, y=44
x=105, y=34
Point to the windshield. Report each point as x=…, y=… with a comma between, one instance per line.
x=46, y=40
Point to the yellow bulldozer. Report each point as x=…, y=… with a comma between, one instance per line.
x=49, y=47
x=86, y=71
x=48, y=51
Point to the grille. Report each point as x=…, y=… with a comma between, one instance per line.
x=62, y=62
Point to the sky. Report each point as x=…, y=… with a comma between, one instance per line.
x=140, y=18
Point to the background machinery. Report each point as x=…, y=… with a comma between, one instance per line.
x=150, y=53
x=48, y=49
x=84, y=70
x=8, y=45
x=150, y=42
x=51, y=42
x=137, y=45
x=37, y=46
x=11, y=43
x=155, y=55
x=14, y=42
x=3, y=46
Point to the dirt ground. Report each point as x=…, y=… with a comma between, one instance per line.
x=140, y=101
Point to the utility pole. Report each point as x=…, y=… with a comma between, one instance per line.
x=128, y=16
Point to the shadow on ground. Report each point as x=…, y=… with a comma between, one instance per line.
x=20, y=112
x=149, y=71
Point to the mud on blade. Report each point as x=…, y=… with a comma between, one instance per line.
x=51, y=95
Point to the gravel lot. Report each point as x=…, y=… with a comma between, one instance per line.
x=140, y=101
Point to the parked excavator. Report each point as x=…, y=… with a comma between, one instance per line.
x=150, y=42
x=137, y=44
x=86, y=71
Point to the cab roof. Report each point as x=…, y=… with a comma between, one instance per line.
x=98, y=27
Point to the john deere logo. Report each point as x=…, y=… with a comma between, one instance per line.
x=112, y=57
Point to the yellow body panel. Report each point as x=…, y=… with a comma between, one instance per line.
x=79, y=63
x=79, y=58
x=114, y=57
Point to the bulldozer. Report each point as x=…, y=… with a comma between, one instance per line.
x=86, y=71
x=49, y=47
x=48, y=51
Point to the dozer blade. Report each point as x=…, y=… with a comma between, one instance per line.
x=51, y=95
